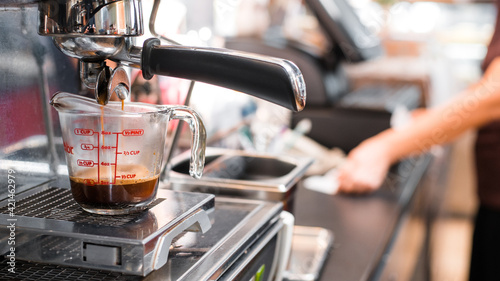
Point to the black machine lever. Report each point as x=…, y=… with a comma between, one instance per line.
x=275, y=80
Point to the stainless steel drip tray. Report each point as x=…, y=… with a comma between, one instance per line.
x=50, y=227
x=310, y=249
x=242, y=174
x=237, y=225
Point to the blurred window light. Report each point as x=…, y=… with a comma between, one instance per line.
x=424, y=17
x=465, y=51
x=400, y=22
x=420, y=17
x=205, y=33
x=360, y=4
x=171, y=16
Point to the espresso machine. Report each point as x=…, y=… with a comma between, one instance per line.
x=65, y=45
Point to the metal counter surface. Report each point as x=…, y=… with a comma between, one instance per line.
x=364, y=226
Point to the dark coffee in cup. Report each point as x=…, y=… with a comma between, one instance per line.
x=94, y=193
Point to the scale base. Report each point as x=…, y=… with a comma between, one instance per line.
x=50, y=227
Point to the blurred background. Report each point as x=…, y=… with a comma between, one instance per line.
x=431, y=49
x=366, y=64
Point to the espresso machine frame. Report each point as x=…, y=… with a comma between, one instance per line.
x=199, y=237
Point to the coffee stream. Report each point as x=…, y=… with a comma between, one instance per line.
x=102, y=123
x=102, y=117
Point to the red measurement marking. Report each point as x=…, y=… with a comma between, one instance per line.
x=84, y=132
x=85, y=163
x=107, y=164
x=98, y=156
x=106, y=133
x=116, y=157
x=127, y=176
x=105, y=182
x=86, y=146
x=68, y=148
x=107, y=147
x=133, y=132
x=132, y=152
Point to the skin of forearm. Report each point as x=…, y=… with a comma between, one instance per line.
x=476, y=106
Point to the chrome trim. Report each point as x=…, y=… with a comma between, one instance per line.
x=273, y=188
x=91, y=17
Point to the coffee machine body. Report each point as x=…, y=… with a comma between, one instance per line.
x=32, y=69
x=42, y=230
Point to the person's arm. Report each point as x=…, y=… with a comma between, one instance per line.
x=367, y=164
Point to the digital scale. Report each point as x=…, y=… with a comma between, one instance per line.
x=182, y=236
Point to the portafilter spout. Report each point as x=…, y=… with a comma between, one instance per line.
x=96, y=30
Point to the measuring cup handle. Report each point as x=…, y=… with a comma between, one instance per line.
x=198, y=137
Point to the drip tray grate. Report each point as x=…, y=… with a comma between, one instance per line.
x=31, y=271
x=58, y=204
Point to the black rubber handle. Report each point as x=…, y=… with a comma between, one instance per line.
x=275, y=80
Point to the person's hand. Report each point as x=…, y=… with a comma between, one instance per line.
x=366, y=167
x=491, y=74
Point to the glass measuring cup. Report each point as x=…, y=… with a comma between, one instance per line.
x=114, y=156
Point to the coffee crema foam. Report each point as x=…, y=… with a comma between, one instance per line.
x=134, y=185
x=127, y=174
